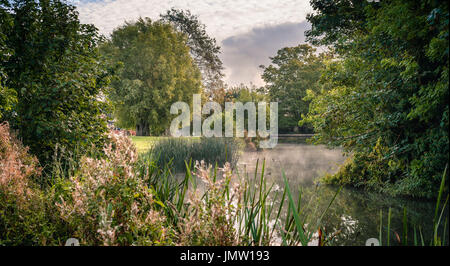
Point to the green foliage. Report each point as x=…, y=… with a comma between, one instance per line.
x=374, y=170
x=29, y=223
x=8, y=97
x=293, y=72
x=243, y=93
x=107, y=203
x=25, y=224
x=203, y=48
x=335, y=22
x=439, y=233
x=120, y=200
x=389, y=87
x=157, y=71
x=55, y=69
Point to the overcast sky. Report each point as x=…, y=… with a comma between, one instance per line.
x=249, y=31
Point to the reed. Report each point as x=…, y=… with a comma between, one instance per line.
x=255, y=210
x=439, y=234
x=175, y=151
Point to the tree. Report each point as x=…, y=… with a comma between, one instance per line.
x=293, y=71
x=8, y=96
x=56, y=71
x=204, y=49
x=157, y=71
x=386, y=99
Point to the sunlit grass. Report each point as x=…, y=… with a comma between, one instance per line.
x=144, y=143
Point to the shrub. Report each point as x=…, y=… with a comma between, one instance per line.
x=55, y=69
x=107, y=203
x=118, y=200
x=374, y=171
x=23, y=216
x=17, y=166
x=214, y=213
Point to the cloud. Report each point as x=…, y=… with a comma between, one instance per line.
x=249, y=30
x=223, y=18
x=242, y=54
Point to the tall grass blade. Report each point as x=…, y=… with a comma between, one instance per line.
x=303, y=239
x=389, y=227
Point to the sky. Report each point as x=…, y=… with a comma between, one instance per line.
x=249, y=31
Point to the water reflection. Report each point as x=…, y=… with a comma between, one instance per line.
x=354, y=216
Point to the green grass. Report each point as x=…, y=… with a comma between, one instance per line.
x=254, y=211
x=177, y=151
x=143, y=144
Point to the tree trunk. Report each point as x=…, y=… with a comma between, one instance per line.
x=142, y=129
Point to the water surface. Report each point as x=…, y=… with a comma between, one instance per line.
x=354, y=216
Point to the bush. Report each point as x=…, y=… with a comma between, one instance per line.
x=118, y=200
x=23, y=216
x=374, y=171
x=104, y=203
x=107, y=203
x=212, y=216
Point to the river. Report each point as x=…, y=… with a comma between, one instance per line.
x=354, y=216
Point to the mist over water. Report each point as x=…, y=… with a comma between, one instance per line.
x=301, y=163
x=354, y=215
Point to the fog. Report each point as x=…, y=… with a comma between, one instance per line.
x=302, y=163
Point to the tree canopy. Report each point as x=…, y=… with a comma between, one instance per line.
x=53, y=65
x=157, y=70
x=203, y=48
x=293, y=71
x=386, y=98
x=7, y=96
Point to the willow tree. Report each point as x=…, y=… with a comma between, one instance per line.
x=204, y=49
x=157, y=70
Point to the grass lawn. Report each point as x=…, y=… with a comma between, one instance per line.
x=143, y=144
